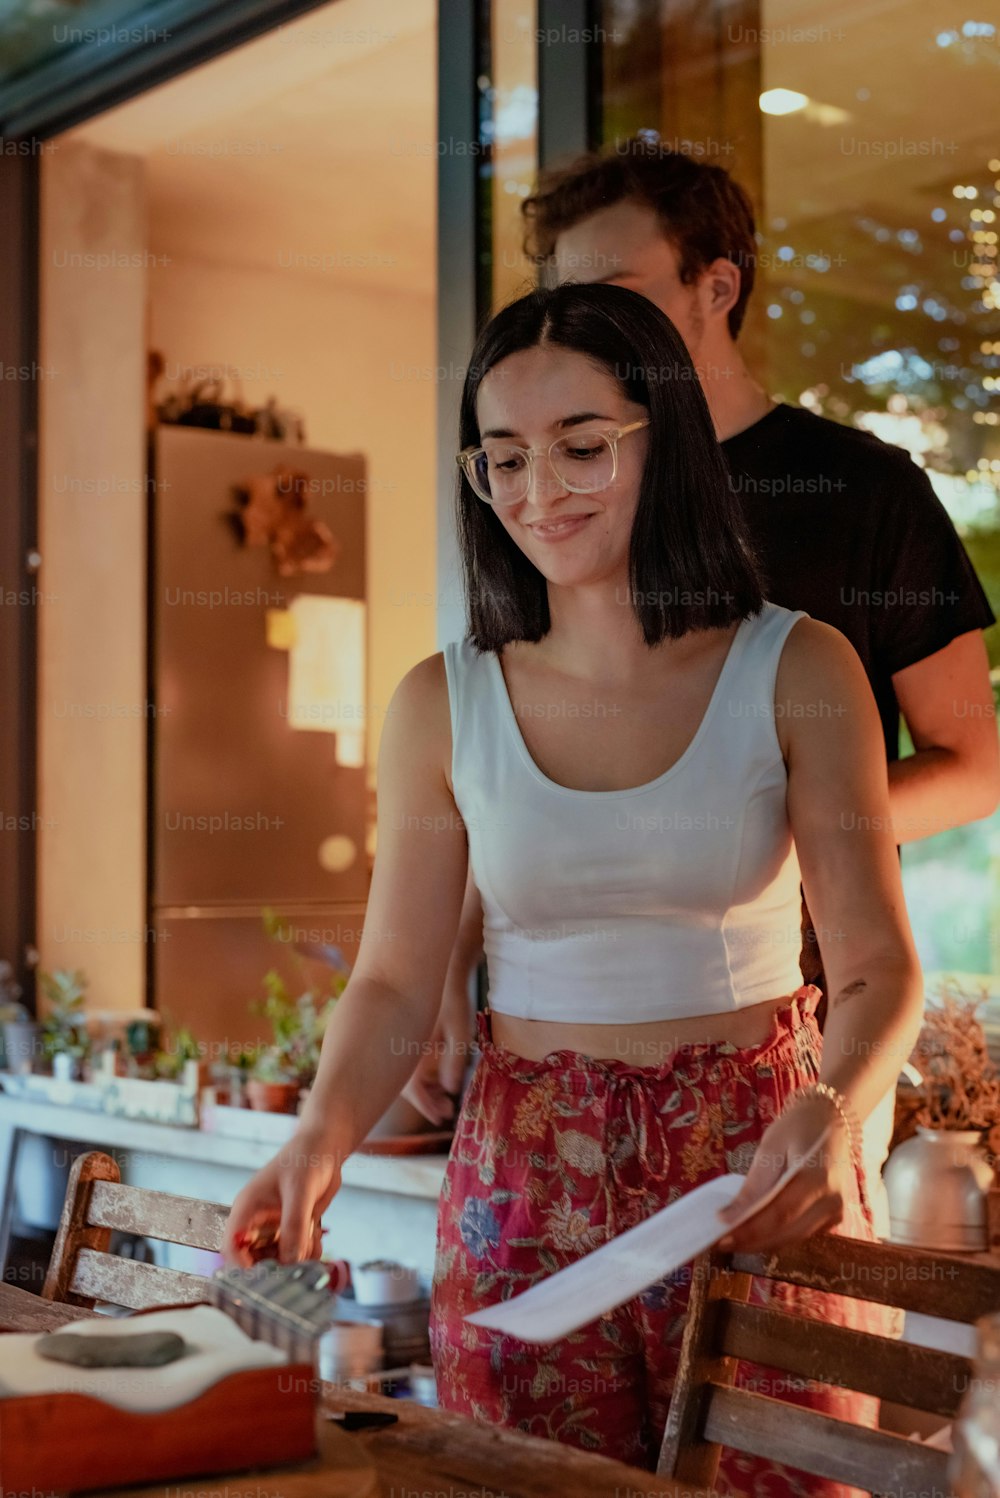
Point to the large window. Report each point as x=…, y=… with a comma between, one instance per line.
x=870, y=143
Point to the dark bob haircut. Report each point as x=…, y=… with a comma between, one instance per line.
x=690, y=563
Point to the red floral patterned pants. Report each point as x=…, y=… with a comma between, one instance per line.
x=553, y=1157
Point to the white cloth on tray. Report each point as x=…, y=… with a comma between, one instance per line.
x=218, y=1347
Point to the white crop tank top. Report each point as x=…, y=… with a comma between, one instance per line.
x=675, y=898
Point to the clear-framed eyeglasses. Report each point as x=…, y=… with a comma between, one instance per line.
x=500, y=472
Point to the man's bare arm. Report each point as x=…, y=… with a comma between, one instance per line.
x=954, y=775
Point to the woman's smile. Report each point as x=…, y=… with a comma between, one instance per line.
x=560, y=528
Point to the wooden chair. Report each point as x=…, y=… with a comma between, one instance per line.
x=82, y=1271
x=708, y=1412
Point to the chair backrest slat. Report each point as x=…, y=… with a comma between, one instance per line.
x=724, y=1329
x=82, y=1270
x=911, y=1278
x=873, y=1460
x=155, y=1214
x=913, y=1376
x=131, y=1283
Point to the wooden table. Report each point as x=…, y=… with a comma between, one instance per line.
x=428, y=1454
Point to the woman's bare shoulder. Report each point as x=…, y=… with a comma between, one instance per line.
x=816, y=655
x=418, y=714
x=822, y=691
x=425, y=686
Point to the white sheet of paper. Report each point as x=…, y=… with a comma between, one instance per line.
x=627, y=1264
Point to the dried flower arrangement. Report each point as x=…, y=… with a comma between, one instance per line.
x=960, y=1084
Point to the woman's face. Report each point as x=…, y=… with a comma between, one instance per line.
x=533, y=397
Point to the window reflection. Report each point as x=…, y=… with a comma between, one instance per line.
x=869, y=143
x=508, y=91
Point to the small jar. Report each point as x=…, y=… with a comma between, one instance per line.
x=350, y=1352
x=383, y=1282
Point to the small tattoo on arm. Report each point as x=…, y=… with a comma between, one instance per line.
x=858, y=986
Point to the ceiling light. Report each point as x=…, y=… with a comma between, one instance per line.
x=782, y=101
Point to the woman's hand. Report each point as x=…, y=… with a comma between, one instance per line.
x=437, y=1080
x=814, y=1200
x=427, y=1089
x=286, y=1201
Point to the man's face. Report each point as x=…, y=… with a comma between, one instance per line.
x=625, y=245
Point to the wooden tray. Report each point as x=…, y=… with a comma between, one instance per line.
x=57, y=1443
x=342, y=1468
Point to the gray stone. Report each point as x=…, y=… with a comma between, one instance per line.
x=144, y=1350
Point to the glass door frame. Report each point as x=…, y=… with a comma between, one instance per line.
x=19, y=208
x=98, y=74
x=569, y=80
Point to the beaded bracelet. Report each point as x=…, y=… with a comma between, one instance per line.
x=843, y=1107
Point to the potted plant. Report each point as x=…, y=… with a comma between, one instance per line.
x=65, y=1042
x=183, y=1046
x=271, y=1087
x=142, y=1043
x=231, y=1074
x=287, y=1066
x=937, y=1180
x=401, y=1119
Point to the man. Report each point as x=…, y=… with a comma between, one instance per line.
x=847, y=528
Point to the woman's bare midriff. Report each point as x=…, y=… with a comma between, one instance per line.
x=637, y=1045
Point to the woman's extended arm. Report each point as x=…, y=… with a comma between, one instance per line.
x=437, y=1080
x=387, y=1011
x=838, y=804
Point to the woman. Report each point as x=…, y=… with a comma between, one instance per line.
x=637, y=755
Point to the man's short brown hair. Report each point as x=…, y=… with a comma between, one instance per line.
x=703, y=213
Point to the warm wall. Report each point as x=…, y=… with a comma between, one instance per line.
x=220, y=241
x=92, y=685
x=358, y=363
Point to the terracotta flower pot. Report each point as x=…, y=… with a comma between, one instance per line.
x=273, y=1097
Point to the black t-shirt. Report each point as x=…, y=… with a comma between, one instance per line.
x=850, y=530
